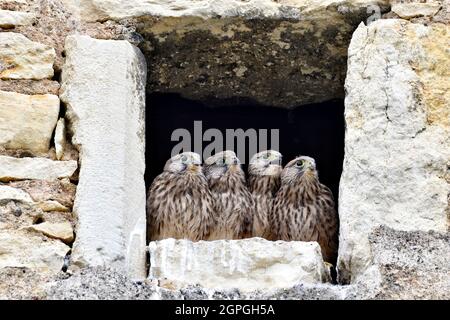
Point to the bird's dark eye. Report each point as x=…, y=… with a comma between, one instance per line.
x=183, y=159
x=299, y=163
x=266, y=156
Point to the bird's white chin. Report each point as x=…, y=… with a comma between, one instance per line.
x=272, y=170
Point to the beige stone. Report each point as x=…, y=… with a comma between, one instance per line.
x=51, y=205
x=31, y=87
x=60, y=138
x=19, y=249
x=397, y=144
x=10, y=193
x=62, y=191
x=21, y=58
x=27, y=122
x=416, y=9
x=17, y=208
x=62, y=231
x=249, y=264
x=10, y=19
x=13, y=1
x=34, y=168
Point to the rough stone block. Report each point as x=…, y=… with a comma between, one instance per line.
x=19, y=249
x=27, y=122
x=34, y=168
x=103, y=86
x=11, y=19
x=21, y=58
x=397, y=145
x=249, y=264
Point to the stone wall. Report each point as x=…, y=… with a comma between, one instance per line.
x=276, y=53
x=38, y=167
x=408, y=265
x=242, y=264
x=49, y=189
x=68, y=155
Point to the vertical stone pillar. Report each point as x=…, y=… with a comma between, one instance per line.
x=103, y=87
x=397, y=144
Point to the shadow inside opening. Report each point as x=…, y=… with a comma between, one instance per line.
x=315, y=130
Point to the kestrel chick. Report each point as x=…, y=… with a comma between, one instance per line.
x=264, y=181
x=180, y=204
x=304, y=208
x=234, y=203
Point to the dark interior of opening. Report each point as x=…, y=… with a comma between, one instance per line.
x=315, y=130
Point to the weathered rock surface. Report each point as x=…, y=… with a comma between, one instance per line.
x=62, y=191
x=21, y=58
x=54, y=23
x=27, y=122
x=411, y=264
x=408, y=265
x=62, y=231
x=98, y=10
x=17, y=209
x=416, y=9
x=15, y=4
x=397, y=131
x=278, y=53
x=10, y=19
x=52, y=205
x=31, y=87
x=224, y=52
x=22, y=283
x=34, y=168
x=220, y=61
x=398, y=136
x=248, y=264
x=9, y=193
x=102, y=283
x=107, y=121
x=420, y=11
x=60, y=138
x=19, y=249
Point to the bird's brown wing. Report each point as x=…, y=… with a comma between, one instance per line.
x=248, y=213
x=156, y=206
x=205, y=219
x=329, y=225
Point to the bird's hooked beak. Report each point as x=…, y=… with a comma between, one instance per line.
x=234, y=165
x=194, y=167
x=309, y=169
